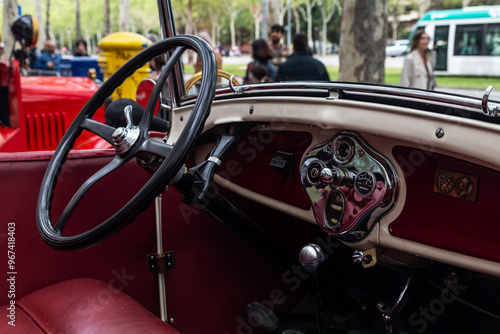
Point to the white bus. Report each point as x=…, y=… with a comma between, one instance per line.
x=466, y=41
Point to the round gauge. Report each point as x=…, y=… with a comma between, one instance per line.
x=334, y=210
x=343, y=151
x=313, y=172
x=365, y=183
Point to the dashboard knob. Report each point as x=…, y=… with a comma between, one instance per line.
x=326, y=175
x=358, y=256
x=311, y=256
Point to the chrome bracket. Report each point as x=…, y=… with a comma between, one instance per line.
x=161, y=262
x=238, y=90
x=487, y=110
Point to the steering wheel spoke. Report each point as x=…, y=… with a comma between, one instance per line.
x=157, y=148
x=102, y=130
x=113, y=165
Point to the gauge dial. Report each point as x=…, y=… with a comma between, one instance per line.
x=313, y=172
x=365, y=183
x=334, y=210
x=343, y=151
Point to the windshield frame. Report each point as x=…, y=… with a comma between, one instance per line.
x=176, y=80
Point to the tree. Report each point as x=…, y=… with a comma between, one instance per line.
x=9, y=14
x=306, y=6
x=77, y=10
x=39, y=17
x=107, y=19
x=47, y=20
x=327, y=9
x=363, y=38
x=395, y=8
x=124, y=15
x=423, y=6
x=256, y=11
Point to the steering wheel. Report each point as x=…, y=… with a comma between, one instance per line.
x=129, y=142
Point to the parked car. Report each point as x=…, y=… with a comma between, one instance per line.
x=235, y=51
x=223, y=50
x=282, y=207
x=397, y=48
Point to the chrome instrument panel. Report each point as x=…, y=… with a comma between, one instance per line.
x=350, y=186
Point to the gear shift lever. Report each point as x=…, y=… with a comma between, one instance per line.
x=311, y=256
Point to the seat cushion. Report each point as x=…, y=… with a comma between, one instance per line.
x=14, y=320
x=87, y=306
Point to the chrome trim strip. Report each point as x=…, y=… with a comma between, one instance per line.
x=470, y=104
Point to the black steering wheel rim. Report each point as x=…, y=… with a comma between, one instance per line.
x=167, y=170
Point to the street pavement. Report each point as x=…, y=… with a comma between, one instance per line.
x=390, y=62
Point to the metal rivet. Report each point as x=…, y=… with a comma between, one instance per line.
x=440, y=133
x=171, y=320
x=251, y=110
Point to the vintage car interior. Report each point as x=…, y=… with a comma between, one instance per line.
x=303, y=207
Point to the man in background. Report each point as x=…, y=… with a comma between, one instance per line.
x=280, y=50
x=49, y=59
x=301, y=65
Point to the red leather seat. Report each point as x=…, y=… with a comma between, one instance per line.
x=81, y=306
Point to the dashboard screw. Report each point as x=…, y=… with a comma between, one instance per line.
x=440, y=133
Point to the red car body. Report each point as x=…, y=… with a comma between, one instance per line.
x=40, y=109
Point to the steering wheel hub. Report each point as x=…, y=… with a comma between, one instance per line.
x=125, y=138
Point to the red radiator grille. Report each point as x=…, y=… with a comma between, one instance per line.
x=44, y=131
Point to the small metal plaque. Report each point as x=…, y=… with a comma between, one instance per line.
x=282, y=162
x=456, y=185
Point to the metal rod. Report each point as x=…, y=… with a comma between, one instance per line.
x=159, y=247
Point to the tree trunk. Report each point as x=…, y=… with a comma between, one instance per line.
x=77, y=11
x=9, y=14
x=232, y=27
x=274, y=14
x=47, y=21
x=39, y=17
x=108, y=21
x=124, y=15
x=362, y=41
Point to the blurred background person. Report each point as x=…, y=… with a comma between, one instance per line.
x=417, y=68
x=80, y=48
x=156, y=64
x=262, y=55
x=49, y=59
x=218, y=58
x=260, y=74
x=301, y=65
x=280, y=50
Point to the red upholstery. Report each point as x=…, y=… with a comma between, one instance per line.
x=83, y=306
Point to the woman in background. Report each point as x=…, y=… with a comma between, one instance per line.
x=262, y=55
x=417, y=69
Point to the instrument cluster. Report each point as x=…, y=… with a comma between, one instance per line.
x=350, y=186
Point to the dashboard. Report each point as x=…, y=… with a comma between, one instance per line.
x=377, y=184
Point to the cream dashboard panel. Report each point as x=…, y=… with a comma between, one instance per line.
x=383, y=128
